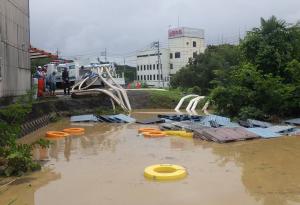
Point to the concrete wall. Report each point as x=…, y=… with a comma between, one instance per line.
x=15, y=76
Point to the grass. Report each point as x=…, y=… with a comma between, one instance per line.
x=165, y=99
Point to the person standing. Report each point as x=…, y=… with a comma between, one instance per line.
x=52, y=83
x=66, y=81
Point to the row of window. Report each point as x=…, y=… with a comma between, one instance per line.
x=150, y=77
x=177, y=55
x=148, y=67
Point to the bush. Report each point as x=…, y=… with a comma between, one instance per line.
x=16, y=159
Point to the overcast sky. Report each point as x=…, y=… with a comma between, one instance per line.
x=87, y=27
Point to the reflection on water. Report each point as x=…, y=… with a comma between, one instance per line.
x=105, y=166
x=270, y=168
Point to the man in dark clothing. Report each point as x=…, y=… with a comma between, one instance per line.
x=66, y=81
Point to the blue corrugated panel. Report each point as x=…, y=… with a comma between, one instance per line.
x=283, y=129
x=293, y=121
x=84, y=118
x=257, y=123
x=263, y=132
x=222, y=121
x=124, y=118
x=232, y=125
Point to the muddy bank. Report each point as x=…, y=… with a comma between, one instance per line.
x=79, y=105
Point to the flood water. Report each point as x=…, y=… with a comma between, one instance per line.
x=105, y=166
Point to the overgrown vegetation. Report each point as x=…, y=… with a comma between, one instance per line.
x=260, y=78
x=163, y=99
x=16, y=159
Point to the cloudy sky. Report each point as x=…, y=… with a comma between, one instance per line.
x=86, y=27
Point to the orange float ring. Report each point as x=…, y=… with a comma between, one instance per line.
x=154, y=134
x=148, y=129
x=75, y=130
x=56, y=134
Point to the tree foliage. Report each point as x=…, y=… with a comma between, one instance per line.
x=266, y=81
x=259, y=78
x=201, y=70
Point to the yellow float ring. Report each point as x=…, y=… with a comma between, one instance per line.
x=56, y=134
x=74, y=130
x=154, y=134
x=147, y=129
x=165, y=172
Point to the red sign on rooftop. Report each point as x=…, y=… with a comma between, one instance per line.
x=174, y=33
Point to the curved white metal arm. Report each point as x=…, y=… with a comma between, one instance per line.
x=182, y=100
x=121, y=99
x=196, y=102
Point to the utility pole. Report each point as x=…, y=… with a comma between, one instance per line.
x=124, y=68
x=160, y=79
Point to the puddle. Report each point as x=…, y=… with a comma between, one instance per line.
x=105, y=166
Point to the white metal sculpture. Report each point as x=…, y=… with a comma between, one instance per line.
x=191, y=108
x=103, y=73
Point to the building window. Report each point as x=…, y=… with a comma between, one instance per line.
x=137, y=68
x=144, y=77
x=194, y=54
x=194, y=44
x=153, y=66
x=161, y=77
x=157, y=67
x=147, y=67
x=171, y=55
x=138, y=77
x=150, y=67
x=150, y=77
x=147, y=77
x=171, y=66
x=153, y=77
x=144, y=67
x=157, y=77
x=177, y=55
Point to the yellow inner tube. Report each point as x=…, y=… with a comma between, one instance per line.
x=154, y=134
x=165, y=172
x=56, y=134
x=75, y=130
x=179, y=133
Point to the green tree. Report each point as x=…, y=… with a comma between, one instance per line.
x=202, y=70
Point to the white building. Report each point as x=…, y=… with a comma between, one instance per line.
x=183, y=44
x=15, y=74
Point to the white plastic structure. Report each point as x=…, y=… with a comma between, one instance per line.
x=103, y=73
x=182, y=100
x=191, y=108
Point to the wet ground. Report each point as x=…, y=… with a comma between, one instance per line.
x=105, y=166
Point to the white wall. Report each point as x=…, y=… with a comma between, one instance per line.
x=14, y=47
x=146, y=64
x=182, y=43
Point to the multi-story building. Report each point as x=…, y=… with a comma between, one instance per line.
x=183, y=44
x=15, y=74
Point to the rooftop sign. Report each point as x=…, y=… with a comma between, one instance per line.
x=186, y=32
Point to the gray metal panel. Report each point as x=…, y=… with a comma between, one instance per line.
x=284, y=129
x=223, y=121
x=263, y=132
x=84, y=118
x=257, y=123
x=293, y=121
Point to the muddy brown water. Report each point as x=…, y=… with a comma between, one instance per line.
x=105, y=166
